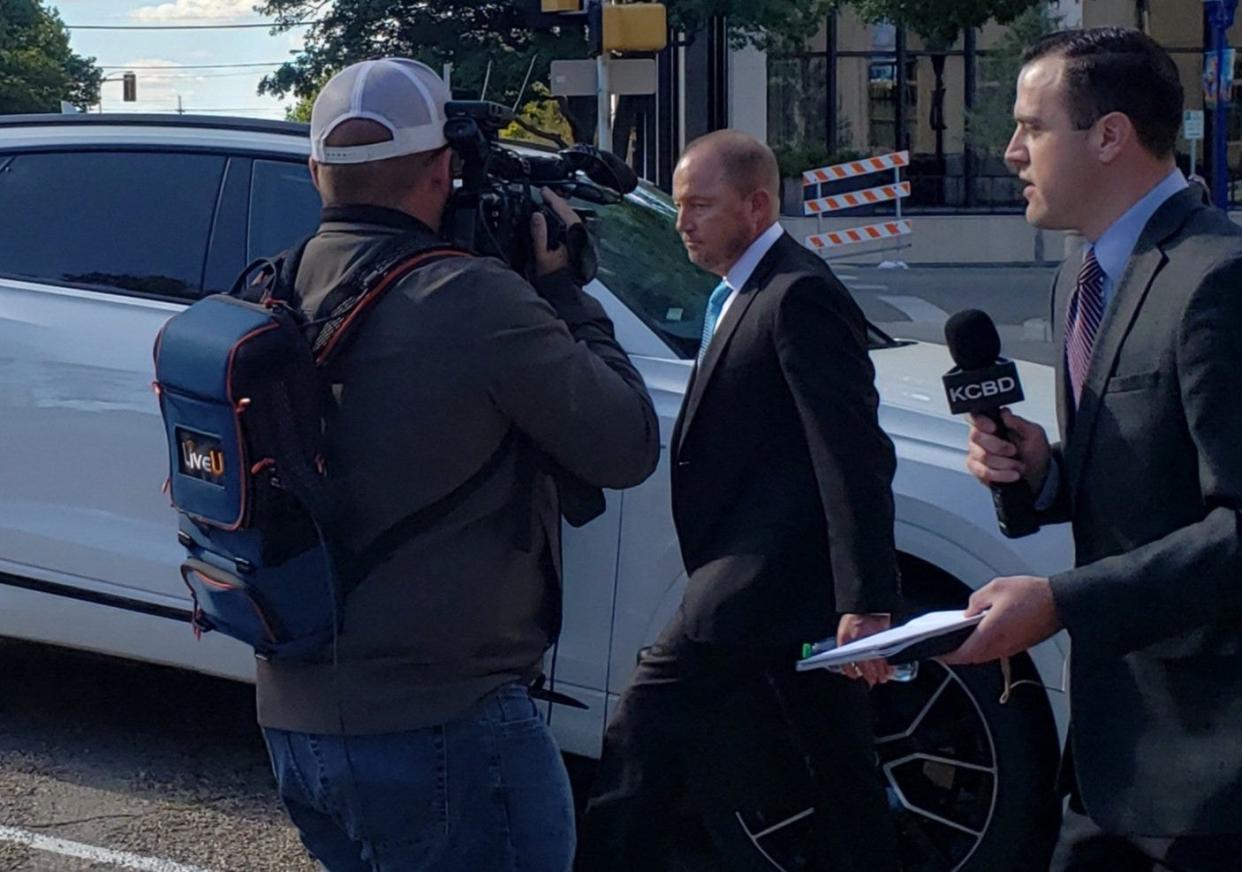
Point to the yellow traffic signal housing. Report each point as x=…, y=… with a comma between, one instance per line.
x=633, y=26
x=560, y=6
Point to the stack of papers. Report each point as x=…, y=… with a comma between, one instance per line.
x=929, y=635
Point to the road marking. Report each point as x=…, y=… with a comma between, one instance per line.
x=918, y=309
x=860, y=286
x=66, y=848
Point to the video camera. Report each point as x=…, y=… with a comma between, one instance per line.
x=490, y=213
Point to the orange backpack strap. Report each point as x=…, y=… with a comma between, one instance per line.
x=349, y=308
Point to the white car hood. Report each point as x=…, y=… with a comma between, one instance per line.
x=913, y=402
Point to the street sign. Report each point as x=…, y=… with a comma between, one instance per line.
x=625, y=76
x=1192, y=124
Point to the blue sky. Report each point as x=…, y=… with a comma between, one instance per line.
x=232, y=89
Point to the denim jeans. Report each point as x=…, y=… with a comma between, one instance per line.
x=487, y=793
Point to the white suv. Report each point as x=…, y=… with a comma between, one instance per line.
x=109, y=224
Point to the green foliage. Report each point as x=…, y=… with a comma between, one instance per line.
x=797, y=159
x=769, y=24
x=940, y=21
x=470, y=35
x=990, y=124
x=543, y=113
x=37, y=68
x=301, y=110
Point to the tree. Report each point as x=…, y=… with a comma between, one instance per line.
x=990, y=123
x=491, y=40
x=939, y=22
x=486, y=41
x=37, y=68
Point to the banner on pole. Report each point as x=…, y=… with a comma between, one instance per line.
x=1217, y=84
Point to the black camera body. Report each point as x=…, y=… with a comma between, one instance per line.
x=490, y=212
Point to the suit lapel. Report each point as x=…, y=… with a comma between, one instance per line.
x=1062, y=290
x=1144, y=264
x=720, y=341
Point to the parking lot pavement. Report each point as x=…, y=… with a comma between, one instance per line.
x=106, y=765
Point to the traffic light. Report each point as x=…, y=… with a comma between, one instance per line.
x=610, y=26
x=632, y=27
x=129, y=87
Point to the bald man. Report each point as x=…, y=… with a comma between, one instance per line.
x=782, y=497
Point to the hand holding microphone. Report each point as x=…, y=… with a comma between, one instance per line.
x=1007, y=453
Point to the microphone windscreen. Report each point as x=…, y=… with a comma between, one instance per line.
x=972, y=339
x=615, y=173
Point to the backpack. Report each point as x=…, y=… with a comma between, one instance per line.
x=245, y=410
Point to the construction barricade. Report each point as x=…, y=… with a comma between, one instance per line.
x=820, y=205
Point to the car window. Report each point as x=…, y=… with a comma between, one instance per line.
x=284, y=207
x=642, y=261
x=129, y=221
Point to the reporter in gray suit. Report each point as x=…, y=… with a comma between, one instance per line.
x=1148, y=469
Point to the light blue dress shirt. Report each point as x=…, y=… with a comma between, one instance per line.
x=1112, y=253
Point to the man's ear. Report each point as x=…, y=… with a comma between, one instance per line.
x=314, y=174
x=1113, y=134
x=761, y=205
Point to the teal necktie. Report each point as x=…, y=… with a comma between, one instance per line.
x=714, y=304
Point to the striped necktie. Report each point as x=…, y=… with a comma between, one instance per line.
x=1082, y=322
x=712, y=314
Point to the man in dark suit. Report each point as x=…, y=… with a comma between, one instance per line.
x=781, y=484
x=1148, y=469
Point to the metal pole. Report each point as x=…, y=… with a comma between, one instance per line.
x=1221, y=15
x=603, y=132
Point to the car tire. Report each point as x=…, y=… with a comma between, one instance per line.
x=971, y=780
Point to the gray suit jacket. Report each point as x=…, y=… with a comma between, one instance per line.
x=1151, y=479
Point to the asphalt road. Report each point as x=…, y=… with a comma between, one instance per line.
x=144, y=762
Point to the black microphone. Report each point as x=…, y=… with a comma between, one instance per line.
x=602, y=167
x=981, y=384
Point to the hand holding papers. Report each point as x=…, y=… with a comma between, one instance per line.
x=926, y=636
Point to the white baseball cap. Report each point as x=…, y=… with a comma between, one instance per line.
x=404, y=96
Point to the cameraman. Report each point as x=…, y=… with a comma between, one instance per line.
x=417, y=746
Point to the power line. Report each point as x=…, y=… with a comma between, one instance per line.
x=187, y=26
x=191, y=66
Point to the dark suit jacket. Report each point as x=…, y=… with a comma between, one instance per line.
x=1151, y=479
x=782, y=477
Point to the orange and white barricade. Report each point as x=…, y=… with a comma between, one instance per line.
x=894, y=192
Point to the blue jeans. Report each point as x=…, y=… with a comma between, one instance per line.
x=487, y=793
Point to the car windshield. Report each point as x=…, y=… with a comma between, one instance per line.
x=642, y=261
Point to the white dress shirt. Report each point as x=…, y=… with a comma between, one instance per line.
x=740, y=274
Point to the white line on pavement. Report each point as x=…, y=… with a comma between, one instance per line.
x=859, y=286
x=918, y=309
x=66, y=848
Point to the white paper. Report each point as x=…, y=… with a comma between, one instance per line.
x=892, y=641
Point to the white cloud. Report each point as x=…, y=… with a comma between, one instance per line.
x=217, y=10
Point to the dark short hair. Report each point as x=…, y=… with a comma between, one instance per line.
x=1116, y=69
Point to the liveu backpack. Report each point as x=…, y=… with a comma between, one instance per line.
x=245, y=412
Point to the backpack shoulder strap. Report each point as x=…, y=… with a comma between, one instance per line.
x=349, y=301
x=271, y=278
x=383, y=545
